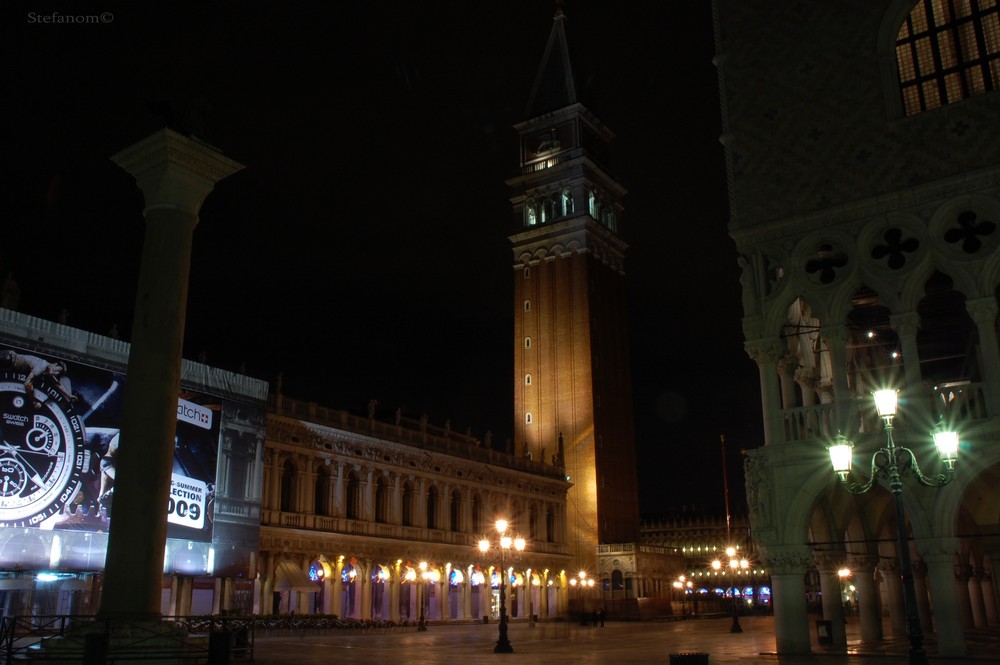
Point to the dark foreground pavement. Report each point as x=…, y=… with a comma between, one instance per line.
x=618, y=643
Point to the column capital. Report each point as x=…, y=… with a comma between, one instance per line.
x=829, y=562
x=905, y=323
x=173, y=171
x=982, y=310
x=787, y=559
x=837, y=333
x=937, y=550
x=863, y=562
x=768, y=349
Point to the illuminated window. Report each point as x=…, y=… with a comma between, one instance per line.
x=593, y=206
x=530, y=214
x=948, y=50
x=567, y=202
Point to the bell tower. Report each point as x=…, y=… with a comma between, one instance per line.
x=572, y=383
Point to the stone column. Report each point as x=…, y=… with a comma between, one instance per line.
x=922, y=597
x=267, y=588
x=338, y=589
x=767, y=352
x=543, y=596
x=984, y=312
x=467, y=594
x=444, y=595
x=486, y=595
x=869, y=601
x=363, y=586
x=788, y=565
x=837, y=339
x=328, y=596
x=175, y=175
x=990, y=587
x=394, y=584
x=938, y=554
x=894, y=597
x=830, y=590
x=368, y=494
x=976, y=597
x=786, y=379
x=907, y=325
x=338, y=495
x=963, y=572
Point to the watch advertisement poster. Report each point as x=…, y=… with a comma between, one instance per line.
x=60, y=422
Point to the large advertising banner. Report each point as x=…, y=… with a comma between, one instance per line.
x=60, y=423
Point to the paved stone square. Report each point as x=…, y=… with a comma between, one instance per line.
x=620, y=643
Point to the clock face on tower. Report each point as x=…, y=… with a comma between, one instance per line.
x=42, y=456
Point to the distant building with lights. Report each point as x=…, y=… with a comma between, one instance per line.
x=863, y=162
x=279, y=505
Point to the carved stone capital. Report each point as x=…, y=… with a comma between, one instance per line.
x=768, y=350
x=905, y=324
x=836, y=335
x=829, y=562
x=787, y=559
x=982, y=310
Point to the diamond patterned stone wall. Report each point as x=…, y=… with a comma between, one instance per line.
x=807, y=116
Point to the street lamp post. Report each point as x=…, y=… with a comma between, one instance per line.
x=886, y=463
x=735, y=563
x=584, y=583
x=422, y=596
x=683, y=585
x=504, y=544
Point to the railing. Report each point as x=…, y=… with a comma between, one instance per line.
x=74, y=639
x=415, y=433
x=957, y=405
x=188, y=639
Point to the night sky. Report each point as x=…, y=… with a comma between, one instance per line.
x=363, y=252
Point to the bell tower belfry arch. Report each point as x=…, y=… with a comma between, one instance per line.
x=572, y=379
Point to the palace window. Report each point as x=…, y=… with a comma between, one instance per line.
x=947, y=50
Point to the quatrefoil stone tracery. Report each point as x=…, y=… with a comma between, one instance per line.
x=895, y=248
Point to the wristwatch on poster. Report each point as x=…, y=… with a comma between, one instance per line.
x=42, y=455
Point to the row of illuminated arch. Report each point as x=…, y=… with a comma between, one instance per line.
x=542, y=209
x=411, y=572
x=413, y=510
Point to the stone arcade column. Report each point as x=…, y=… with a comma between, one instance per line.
x=984, y=312
x=894, y=597
x=869, y=601
x=175, y=175
x=907, y=325
x=922, y=597
x=394, y=584
x=767, y=353
x=791, y=621
x=833, y=607
x=939, y=556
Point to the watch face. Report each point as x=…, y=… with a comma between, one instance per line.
x=42, y=457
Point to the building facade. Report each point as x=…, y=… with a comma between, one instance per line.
x=863, y=163
x=283, y=506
